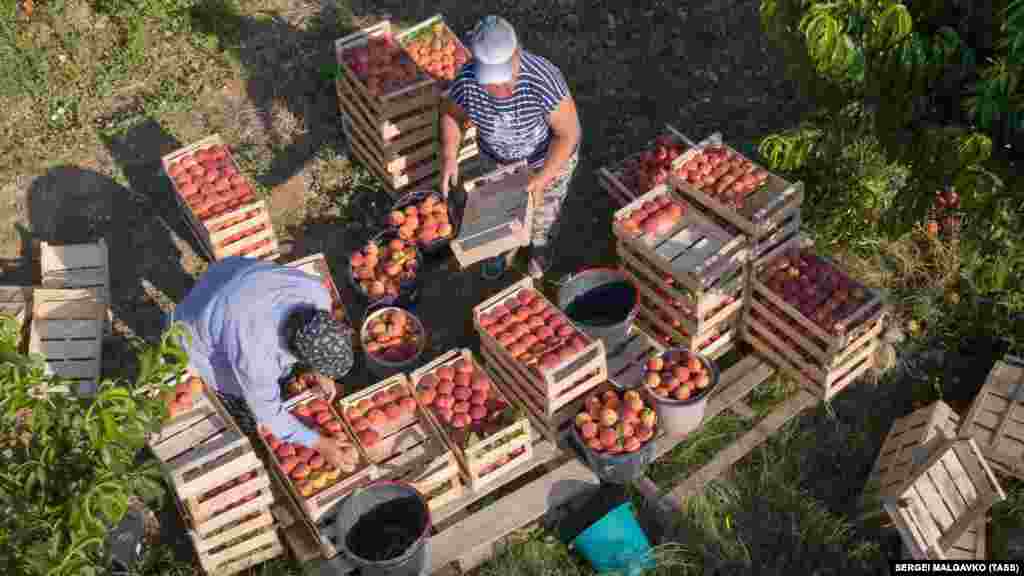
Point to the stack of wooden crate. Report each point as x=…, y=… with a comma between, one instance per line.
x=808, y=317
x=77, y=266
x=619, y=179
x=550, y=393
x=934, y=487
x=222, y=488
x=394, y=134
x=67, y=330
x=690, y=277
x=219, y=202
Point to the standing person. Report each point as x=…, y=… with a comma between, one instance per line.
x=250, y=323
x=522, y=109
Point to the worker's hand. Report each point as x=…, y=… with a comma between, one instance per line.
x=327, y=386
x=449, y=174
x=339, y=453
x=537, y=183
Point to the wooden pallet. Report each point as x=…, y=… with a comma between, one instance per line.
x=610, y=178
x=758, y=217
x=822, y=344
x=316, y=505
x=941, y=499
x=551, y=387
x=316, y=265
x=994, y=419
x=243, y=231
x=497, y=214
x=502, y=451
x=67, y=330
x=696, y=253
x=696, y=311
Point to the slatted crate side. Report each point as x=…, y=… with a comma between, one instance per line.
x=905, y=441
x=235, y=233
x=716, y=307
x=713, y=345
x=187, y=431
x=995, y=419
x=441, y=484
x=226, y=519
x=826, y=383
x=76, y=266
x=385, y=105
x=497, y=212
x=253, y=522
x=610, y=177
x=696, y=252
x=398, y=384
x=714, y=338
x=626, y=365
x=257, y=548
x=411, y=137
x=566, y=373
x=869, y=311
x=67, y=330
x=940, y=500
x=780, y=226
x=419, y=175
x=751, y=219
x=478, y=460
x=221, y=498
x=973, y=545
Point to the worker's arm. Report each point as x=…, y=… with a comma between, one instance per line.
x=565, y=137
x=453, y=117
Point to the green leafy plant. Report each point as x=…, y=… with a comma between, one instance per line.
x=67, y=463
x=996, y=96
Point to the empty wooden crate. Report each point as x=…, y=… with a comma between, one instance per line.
x=996, y=418
x=67, y=330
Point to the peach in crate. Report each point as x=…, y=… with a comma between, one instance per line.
x=376, y=414
x=209, y=180
x=485, y=430
x=392, y=335
x=640, y=173
x=655, y=216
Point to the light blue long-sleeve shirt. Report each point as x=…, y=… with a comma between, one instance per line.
x=237, y=314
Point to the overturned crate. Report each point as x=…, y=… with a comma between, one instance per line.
x=995, y=418
x=811, y=319
x=219, y=202
x=67, y=330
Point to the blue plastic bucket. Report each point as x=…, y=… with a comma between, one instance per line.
x=616, y=543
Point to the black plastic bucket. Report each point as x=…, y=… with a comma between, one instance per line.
x=617, y=468
x=437, y=248
x=408, y=292
x=383, y=530
x=602, y=302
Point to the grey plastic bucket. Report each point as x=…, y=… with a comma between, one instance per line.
x=680, y=417
x=415, y=559
x=615, y=331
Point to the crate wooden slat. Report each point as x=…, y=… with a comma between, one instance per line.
x=611, y=178
x=626, y=364
x=497, y=214
x=77, y=266
x=941, y=499
x=187, y=430
x=411, y=447
x=820, y=343
x=316, y=265
x=754, y=218
x=67, y=330
x=215, y=233
x=261, y=546
x=696, y=252
x=556, y=386
x=320, y=503
x=996, y=420
x=482, y=461
x=715, y=340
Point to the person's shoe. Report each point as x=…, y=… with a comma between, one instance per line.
x=494, y=268
x=540, y=262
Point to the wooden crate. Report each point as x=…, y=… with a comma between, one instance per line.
x=76, y=266
x=556, y=386
x=497, y=214
x=245, y=230
x=320, y=503
x=697, y=311
x=67, y=330
x=696, y=253
x=667, y=328
x=489, y=459
x=15, y=301
x=994, y=419
x=626, y=363
x=942, y=498
x=184, y=431
x=316, y=265
x=611, y=178
x=759, y=216
x=408, y=448
x=823, y=345
x=259, y=544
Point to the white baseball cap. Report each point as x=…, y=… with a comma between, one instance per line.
x=493, y=43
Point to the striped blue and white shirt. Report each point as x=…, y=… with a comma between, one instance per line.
x=514, y=128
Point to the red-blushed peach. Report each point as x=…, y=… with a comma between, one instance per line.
x=478, y=397
x=648, y=417
x=544, y=332
x=644, y=433
x=444, y=414
x=630, y=416
x=582, y=418
x=289, y=463
x=655, y=364
x=670, y=383
x=588, y=430
x=285, y=450
x=463, y=366
x=463, y=380
x=446, y=373
x=376, y=417
x=525, y=296
x=305, y=453
x=407, y=404
x=462, y=392
x=368, y=438
x=445, y=387
x=427, y=396
x=300, y=471
x=682, y=373
x=359, y=424
x=625, y=429
x=632, y=444
x=608, y=437
x=333, y=427
x=564, y=330
x=610, y=398
x=461, y=420
x=364, y=405
x=317, y=462
x=481, y=383
x=324, y=417
x=477, y=412
x=694, y=364
x=444, y=401
x=461, y=407
x=702, y=381
x=593, y=402
x=595, y=444
x=428, y=381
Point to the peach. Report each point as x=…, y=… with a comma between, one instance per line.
x=428, y=382
x=397, y=218
x=288, y=464
x=694, y=364
x=564, y=330
x=582, y=418
x=535, y=322
x=625, y=430
x=446, y=373
x=407, y=405
x=427, y=396
x=381, y=398
x=364, y=405
x=353, y=413
x=464, y=366
x=609, y=417
x=317, y=462
x=595, y=444
x=525, y=296
x=681, y=393
x=461, y=420
x=702, y=381
x=481, y=383
x=477, y=412
x=652, y=379
x=671, y=383
x=463, y=380
x=655, y=364
x=461, y=392
x=593, y=402
x=323, y=417
x=588, y=430
x=663, y=392
x=444, y=414
x=648, y=417
x=304, y=453
x=644, y=433
x=445, y=388
x=681, y=372
x=368, y=438
x=333, y=427
x=544, y=332
x=632, y=444
x=608, y=437
x=478, y=398
x=285, y=450
x=635, y=403
x=630, y=416
x=376, y=417
x=300, y=471
x=461, y=407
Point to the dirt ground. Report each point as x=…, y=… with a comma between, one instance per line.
x=632, y=67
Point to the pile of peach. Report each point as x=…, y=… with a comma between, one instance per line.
x=305, y=466
x=676, y=375
x=380, y=269
x=722, y=173
x=463, y=398
x=533, y=331
x=426, y=222
x=377, y=412
x=181, y=399
x=614, y=424
x=394, y=336
x=209, y=182
x=655, y=217
x=438, y=52
x=651, y=167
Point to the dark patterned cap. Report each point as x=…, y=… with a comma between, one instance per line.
x=325, y=345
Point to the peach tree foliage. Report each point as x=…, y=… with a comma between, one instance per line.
x=68, y=464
